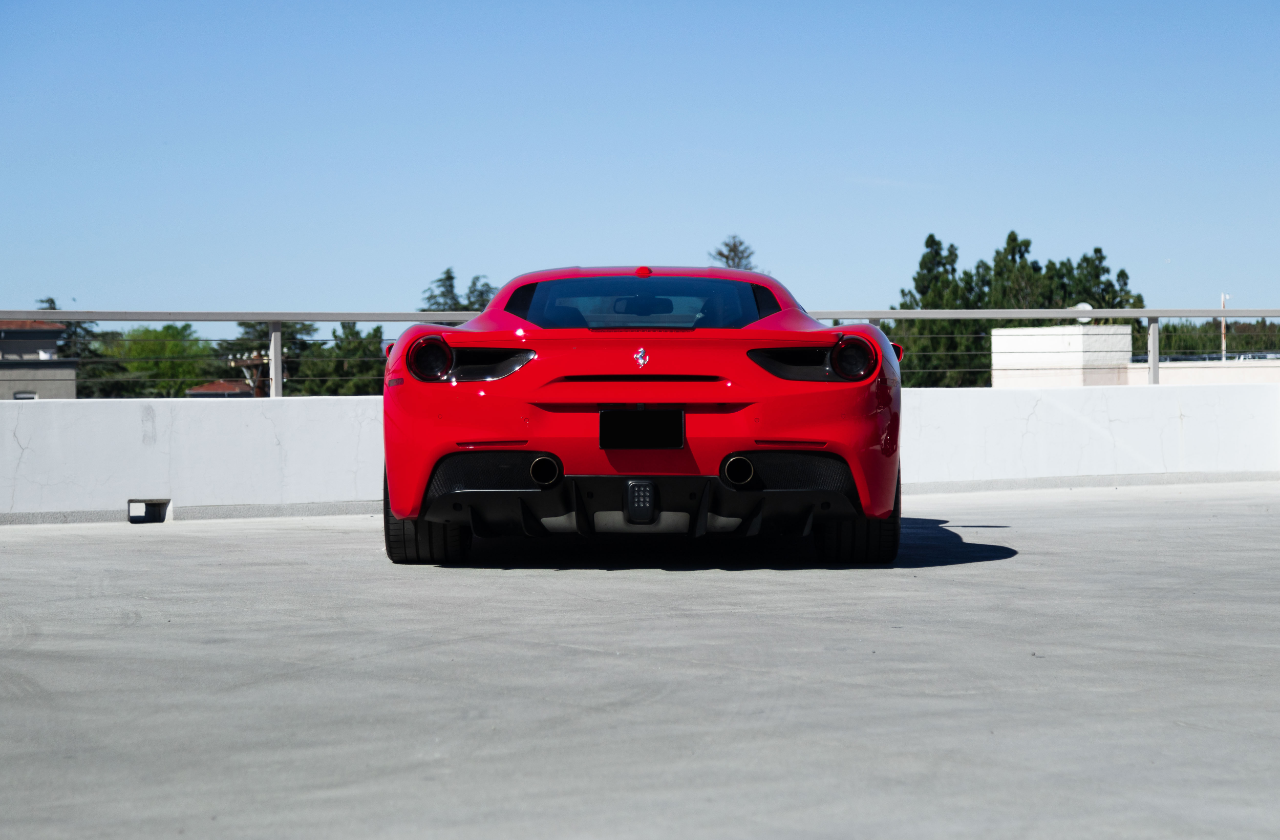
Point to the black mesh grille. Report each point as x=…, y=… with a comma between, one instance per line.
x=801, y=471
x=504, y=470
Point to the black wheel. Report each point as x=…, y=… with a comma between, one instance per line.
x=392, y=529
x=416, y=541
x=833, y=540
x=861, y=540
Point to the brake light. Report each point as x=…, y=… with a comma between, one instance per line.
x=429, y=359
x=854, y=358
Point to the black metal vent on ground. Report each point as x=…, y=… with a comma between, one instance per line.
x=141, y=511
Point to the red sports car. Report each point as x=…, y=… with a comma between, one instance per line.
x=633, y=401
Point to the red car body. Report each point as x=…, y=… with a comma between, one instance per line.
x=823, y=453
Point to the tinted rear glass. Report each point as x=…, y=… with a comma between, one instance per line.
x=648, y=302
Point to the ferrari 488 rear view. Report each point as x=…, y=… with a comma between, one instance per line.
x=636, y=401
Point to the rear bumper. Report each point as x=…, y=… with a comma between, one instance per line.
x=493, y=494
x=425, y=425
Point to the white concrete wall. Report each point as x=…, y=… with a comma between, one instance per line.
x=85, y=459
x=1231, y=372
x=95, y=455
x=979, y=434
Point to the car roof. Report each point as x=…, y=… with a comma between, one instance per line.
x=784, y=296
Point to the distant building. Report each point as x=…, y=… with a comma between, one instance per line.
x=29, y=365
x=1061, y=357
x=222, y=388
x=1101, y=354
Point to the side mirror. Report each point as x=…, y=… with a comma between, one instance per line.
x=897, y=350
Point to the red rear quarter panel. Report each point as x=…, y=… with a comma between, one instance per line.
x=745, y=408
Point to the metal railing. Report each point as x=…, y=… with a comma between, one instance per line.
x=275, y=321
x=1151, y=316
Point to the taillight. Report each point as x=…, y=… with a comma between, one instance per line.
x=429, y=359
x=854, y=358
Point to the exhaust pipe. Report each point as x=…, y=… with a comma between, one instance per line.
x=739, y=470
x=544, y=470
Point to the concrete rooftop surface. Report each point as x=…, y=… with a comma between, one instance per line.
x=1055, y=663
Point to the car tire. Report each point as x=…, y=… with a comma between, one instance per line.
x=861, y=540
x=411, y=541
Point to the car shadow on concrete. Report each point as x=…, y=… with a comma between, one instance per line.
x=925, y=543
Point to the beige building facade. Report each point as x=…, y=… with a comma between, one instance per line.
x=1099, y=354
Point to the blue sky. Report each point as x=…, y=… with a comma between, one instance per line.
x=339, y=156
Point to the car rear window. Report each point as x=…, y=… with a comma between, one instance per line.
x=682, y=303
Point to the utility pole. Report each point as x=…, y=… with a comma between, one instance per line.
x=1225, y=298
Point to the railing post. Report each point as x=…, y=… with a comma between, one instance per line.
x=276, y=359
x=1153, y=351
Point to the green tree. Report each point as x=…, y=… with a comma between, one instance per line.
x=163, y=361
x=1088, y=282
x=957, y=353
x=944, y=354
x=734, y=253
x=1019, y=282
x=97, y=374
x=353, y=364
x=78, y=337
x=442, y=294
x=1183, y=338
x=479, y=293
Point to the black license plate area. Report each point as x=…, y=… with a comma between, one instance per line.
x=658, y=429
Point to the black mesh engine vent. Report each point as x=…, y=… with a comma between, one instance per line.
x=800, y=471
x=505, y=470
